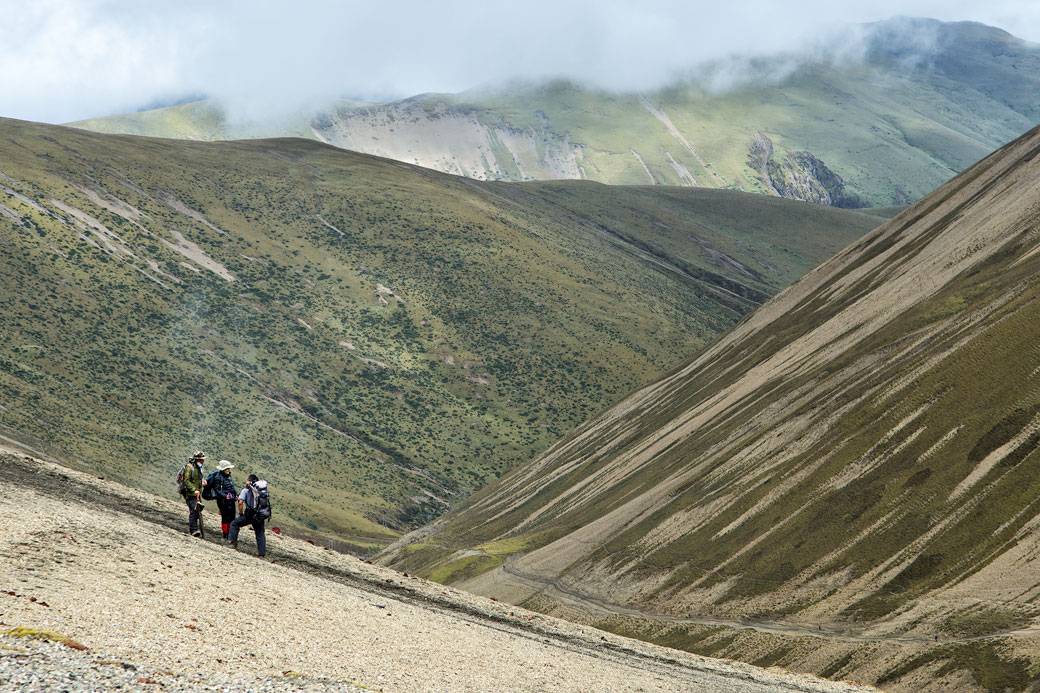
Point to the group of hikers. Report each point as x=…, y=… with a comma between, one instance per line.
x=251, y=506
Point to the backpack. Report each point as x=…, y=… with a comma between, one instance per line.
x=180, y=479
x=207, y=490
x=261, y=500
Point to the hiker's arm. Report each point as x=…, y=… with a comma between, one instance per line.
x=241, y=506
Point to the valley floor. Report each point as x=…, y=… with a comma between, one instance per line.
x=113, y=569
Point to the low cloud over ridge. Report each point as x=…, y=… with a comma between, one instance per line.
x=68, y=60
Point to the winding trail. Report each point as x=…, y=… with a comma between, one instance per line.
x=566, y=594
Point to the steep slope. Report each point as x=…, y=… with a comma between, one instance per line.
x=860, y=453
x=927, y=99
x=111, y=584
x=378, y=339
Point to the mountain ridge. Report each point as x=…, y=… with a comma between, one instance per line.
x=926, y=100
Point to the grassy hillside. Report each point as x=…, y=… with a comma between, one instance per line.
x=377, y=339
x=927, y=99
x=861, y=455
x=194, y=120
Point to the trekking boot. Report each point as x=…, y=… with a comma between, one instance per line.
x=196, y=533
x=234, y=545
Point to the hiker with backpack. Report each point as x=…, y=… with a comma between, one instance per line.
x=190, y=482
x=221, y=488
x=254, y=508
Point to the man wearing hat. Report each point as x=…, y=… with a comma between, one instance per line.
x=194, y=480
x=223, y=489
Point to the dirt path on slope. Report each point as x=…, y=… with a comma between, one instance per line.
x=831, y=631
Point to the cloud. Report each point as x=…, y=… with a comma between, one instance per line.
x=69, y=59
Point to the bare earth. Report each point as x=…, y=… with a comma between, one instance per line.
x=113, y=568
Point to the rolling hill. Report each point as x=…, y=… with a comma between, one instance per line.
x=844, y=483
x=923, y=101
x=377, y=339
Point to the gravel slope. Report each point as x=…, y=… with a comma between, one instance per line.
x=113, y=569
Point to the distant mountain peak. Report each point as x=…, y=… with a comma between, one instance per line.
x=920, y=102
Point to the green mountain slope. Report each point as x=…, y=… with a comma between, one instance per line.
x=884, y=130
x=861, y=455
x=194, y=120
x=377, y=339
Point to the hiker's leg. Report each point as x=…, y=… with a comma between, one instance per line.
x=193, y=513
x=227, y=514
x=261, y=538
x=237, y=524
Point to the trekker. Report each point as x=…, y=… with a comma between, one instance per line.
x=222, y=488
x=248, y=514
x=194, y=481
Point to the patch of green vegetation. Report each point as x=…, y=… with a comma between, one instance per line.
x=1005, y=429
x=483, y=559
x=837, y=665
x=505, y=547
x=418, y=546
x=36, y=634
x=417, y=561
x=990, y=668
x=984, y=620
x=467, y=567
x=699, y=639
x=778, y=656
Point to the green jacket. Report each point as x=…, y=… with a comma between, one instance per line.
x=192, y=478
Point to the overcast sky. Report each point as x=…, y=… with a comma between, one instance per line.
x=63, y=60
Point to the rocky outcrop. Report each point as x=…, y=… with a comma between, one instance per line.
x=453, y=139
x=798, y=175
x=760, y=153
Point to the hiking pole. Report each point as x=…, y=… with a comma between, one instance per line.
x=202, y=529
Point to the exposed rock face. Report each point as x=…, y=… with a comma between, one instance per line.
x=453, y=140
x=760, y=153
x=798, y=175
